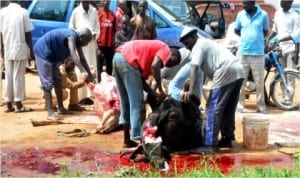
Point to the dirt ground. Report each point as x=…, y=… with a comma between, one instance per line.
x=18, y=135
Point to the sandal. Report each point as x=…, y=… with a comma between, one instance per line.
x=10, y=110
x=64, y=112
x=76, y=107
x=24, y=109
x=73, y=133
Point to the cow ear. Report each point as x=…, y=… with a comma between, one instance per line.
x=153, y=117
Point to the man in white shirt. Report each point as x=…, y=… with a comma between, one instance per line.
x=15, y=29
x=1, y=68
x=85, y=16
x=286, y=22
x=296, y=39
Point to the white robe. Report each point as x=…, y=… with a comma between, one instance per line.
x=81, y=19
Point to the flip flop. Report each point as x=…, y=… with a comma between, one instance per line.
x=10, y=110
x=24, y=109
x=73, y=133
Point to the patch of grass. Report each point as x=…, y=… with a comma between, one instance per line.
x=207, y=171
x=66, y=174
x=257, y=172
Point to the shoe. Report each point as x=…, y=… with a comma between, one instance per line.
x=262, y=111
x=76, y=107
x=86, y=101
x=226, y=143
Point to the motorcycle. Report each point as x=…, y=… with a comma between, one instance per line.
x=283, y=88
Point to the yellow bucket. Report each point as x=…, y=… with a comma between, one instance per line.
x=255, y=131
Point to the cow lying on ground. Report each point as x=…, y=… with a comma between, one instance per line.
x=174, y=126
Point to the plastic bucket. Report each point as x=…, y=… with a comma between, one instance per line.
x=255, y=131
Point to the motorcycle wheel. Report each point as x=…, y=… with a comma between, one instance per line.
x=278, y=93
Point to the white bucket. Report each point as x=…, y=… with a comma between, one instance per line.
x=255, y=131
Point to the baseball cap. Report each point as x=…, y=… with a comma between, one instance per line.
x=186, y=31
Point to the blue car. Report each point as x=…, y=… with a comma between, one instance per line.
x=48, y=15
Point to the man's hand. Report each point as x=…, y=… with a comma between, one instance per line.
x=89, y=79
x=91, y=86
x=160, y=97
x=83, y=76
x=186, y=96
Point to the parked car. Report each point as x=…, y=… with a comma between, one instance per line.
x=48, y=15
x=296, y=6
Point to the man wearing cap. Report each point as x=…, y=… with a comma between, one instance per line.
x=226, y=72
x=133, y=63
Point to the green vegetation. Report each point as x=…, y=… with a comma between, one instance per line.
x=208, y=172
x=256, y=172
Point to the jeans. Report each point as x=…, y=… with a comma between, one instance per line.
x=177, y=83
x=129, y=83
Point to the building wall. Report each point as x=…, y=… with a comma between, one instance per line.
x=231, y=13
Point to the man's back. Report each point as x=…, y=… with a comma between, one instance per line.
x=217, y=62
x=53, y=45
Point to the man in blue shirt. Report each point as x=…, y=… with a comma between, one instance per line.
x=50, y=51
x=252, y=26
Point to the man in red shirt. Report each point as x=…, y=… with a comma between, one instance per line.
x=133, y=63
x=106, y=40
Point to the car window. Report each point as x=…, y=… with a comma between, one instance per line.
x=50, y=10
x=159, y=22
x=212, y=13
x=181, y=10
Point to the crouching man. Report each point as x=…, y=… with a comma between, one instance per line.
x=71, y=82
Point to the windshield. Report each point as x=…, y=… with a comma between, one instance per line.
x=181, y=10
